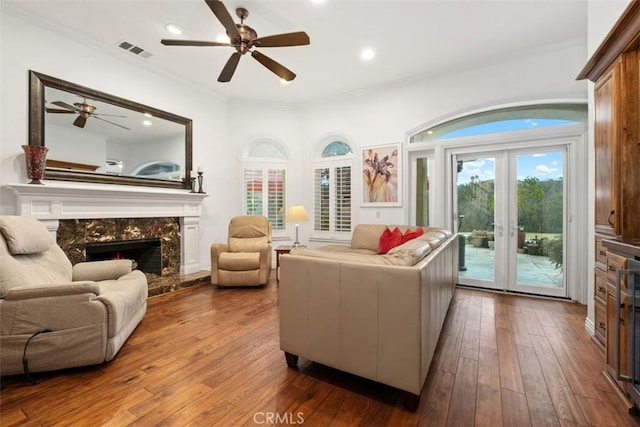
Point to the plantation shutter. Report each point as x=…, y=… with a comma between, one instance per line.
x=321, y=201
x=275, y=208
x=342, y=219
x=252, y=203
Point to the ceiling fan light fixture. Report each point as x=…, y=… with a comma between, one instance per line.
x=367, y=54
x=174, y=28
x=223, y=38
x=285, y=82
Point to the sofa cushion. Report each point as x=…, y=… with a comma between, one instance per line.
x=10, y=275
x=414, y=249
x=389, y=240
x=367, y=236
x=24, y=235
x=50, y=266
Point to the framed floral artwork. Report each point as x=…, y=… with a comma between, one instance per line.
x=381, y=175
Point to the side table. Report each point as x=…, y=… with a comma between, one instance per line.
x=282, y=249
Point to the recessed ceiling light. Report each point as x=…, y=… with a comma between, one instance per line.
x=317, y=1
x=223, y=38
x=367, y=54
x=147, y=123
x=174, y=28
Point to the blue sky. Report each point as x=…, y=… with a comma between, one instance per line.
x=543, y=166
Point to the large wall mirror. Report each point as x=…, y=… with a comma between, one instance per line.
x=96, y=137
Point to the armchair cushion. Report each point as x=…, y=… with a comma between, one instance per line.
x=239, y=261
x=24, y=235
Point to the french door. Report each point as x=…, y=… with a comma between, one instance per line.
x=509, y=205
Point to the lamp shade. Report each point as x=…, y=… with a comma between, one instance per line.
x=297, y=214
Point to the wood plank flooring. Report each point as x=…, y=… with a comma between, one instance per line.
x=204, y=356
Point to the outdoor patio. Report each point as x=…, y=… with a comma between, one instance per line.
x=532, y=269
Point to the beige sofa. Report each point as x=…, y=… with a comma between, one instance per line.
x=376, y=316
x=56, y=316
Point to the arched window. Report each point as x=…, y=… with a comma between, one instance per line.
x=505, y=120
x=332, y=189
x=264, y=173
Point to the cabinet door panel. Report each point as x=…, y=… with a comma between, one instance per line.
x=612, y=339
x=605, y=140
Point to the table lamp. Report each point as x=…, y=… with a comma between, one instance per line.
x=297, y=214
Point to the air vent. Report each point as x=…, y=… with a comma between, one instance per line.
x=136, y=50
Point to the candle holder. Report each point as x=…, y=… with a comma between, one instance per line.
x=200, y=178
x=193, y=184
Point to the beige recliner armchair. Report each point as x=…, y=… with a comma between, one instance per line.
x=54, y=315
x=245, y=260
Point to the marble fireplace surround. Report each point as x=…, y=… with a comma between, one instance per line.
x=57, y=201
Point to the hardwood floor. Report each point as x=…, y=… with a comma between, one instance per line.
x=206, y=357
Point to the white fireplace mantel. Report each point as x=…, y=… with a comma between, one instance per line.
x=55, y=201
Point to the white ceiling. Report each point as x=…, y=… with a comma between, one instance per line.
x=412, y=39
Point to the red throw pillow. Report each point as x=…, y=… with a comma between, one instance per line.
x=389, y=240
x=410, y=235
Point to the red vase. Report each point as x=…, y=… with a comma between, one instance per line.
x=35, y=156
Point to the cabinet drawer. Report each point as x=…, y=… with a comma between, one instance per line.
x=615, y=263
x=601, y=321
x=600, y=286
x=601, y=254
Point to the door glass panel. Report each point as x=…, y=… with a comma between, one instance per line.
x=476, y=206
x=540, y=206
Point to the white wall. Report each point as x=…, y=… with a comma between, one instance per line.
x=25, y=46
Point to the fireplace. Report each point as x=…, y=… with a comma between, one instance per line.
x=80, y=213
x=154, y=243
x=146, y=254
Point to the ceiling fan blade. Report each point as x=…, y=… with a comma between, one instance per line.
x=221, y=12
x=112, y=123
x=55, y=110
x=80, y=121
x=272, y=65
x=65, y=105
x=167, y=42
x=229, y=68
x=289, y=39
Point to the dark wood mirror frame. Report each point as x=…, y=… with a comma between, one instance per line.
x=37, y=84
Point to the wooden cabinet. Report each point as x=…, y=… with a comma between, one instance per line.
x=615, y=70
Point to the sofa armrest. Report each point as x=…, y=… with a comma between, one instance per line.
x=52, y=290
x=102, y=270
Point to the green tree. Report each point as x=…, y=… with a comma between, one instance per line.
x=530, y=204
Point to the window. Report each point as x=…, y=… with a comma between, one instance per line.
x=332, y=190
x=264, y=183
x=505, y=120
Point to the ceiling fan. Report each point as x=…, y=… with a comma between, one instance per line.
x=84, y=111
x=243, y=38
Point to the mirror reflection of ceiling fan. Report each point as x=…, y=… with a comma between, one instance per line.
x=84, y=111
x=243, y=38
